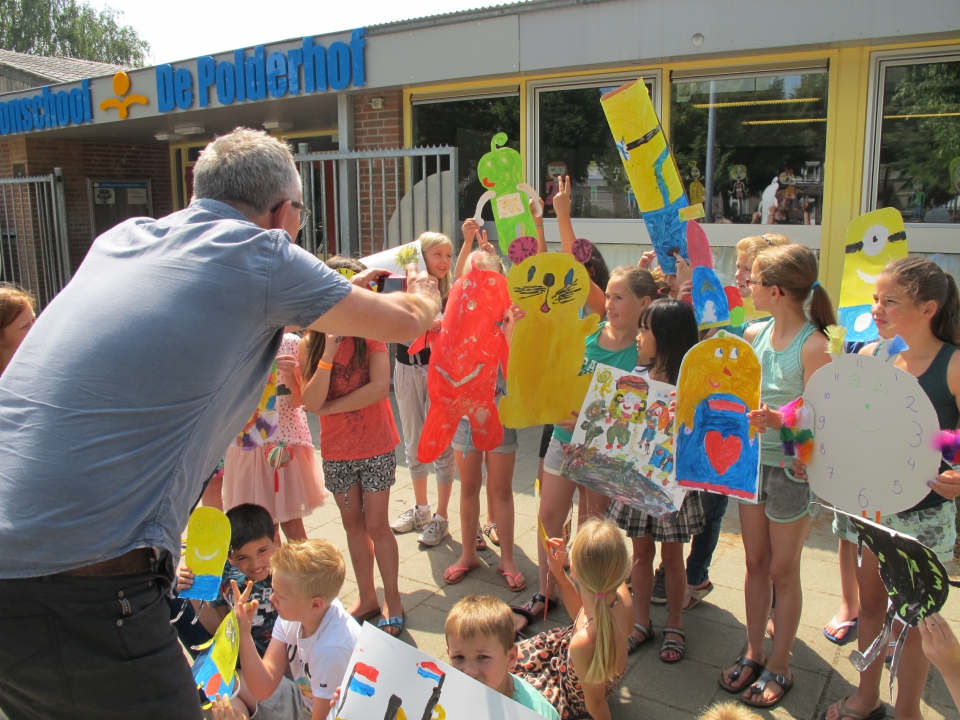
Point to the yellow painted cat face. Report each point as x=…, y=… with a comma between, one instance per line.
x=549, y=287
x=725, y=365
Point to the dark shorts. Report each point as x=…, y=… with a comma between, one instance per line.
x=679, y=526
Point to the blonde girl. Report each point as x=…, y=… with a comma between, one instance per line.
x=593, y=650
x=410, y=386
x=791, y=347
x=17, y=313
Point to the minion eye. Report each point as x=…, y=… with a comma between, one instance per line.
x=875, y=240
x=881, y=386
x=854, y=380
x=718, y=353
x=531, y=272
x=734, y=353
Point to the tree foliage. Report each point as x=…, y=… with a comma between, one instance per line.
x=71, y=29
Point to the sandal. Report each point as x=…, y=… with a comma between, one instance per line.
x=481, y=543
x=527, y=610
x=490, y=530
x=464, y=571
x=389, y=624
x=844, y=712
x=368, y=616
x=676, y=645
x=742, y=662
x=519, y=583
x=847, y=637
x=757, y=689
x=697, y=595
x=633, y=644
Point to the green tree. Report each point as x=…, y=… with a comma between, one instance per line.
x=72, y=29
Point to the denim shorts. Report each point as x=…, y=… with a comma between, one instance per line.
x=463, y=440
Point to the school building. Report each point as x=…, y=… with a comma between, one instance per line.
x=847, y=106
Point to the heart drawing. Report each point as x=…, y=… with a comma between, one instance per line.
x=722, y=451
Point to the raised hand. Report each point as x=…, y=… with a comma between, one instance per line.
x=244, y=610
x=563, y=199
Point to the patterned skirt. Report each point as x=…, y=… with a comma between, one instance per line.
x=679, y=526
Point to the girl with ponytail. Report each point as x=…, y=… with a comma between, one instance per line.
x=918, y=301
x=593, y=650
x=791, y=347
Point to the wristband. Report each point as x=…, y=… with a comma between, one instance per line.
x=540, y=225
x=324, y=365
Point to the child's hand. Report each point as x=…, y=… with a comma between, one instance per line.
x=569, y=424
x=287, y=364
x=470, y=230
x=336, y=697
x=799, y=470
x=562, y=200
x=511, y=316
x=947, y=484
x=485, y=244
x=184, y=579
x=765, y=418
x=646, y=260
x=245, y=611
x=556, y=555
x=684, y=271
x=685, y=294
x=940, y=645
x=330, y=348
x=222, y=709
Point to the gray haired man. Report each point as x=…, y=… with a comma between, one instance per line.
x=121, y=402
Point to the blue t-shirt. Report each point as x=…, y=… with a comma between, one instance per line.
x=527, y=695
x=123, y=396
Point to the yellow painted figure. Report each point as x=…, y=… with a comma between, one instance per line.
x=544, y=384
x=208, y=542
x=650, y=167
x=215, y=668
x=872, y=241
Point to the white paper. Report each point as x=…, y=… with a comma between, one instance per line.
x=395, y=259
x=136, y=196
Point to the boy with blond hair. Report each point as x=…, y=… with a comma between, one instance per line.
x=729, y=711
x=480, y=633
x=314, y=635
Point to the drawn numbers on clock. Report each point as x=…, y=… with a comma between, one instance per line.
x=897, y=487
x=826, y=396
x=823, y=450
x=820, y=422
x=918, y=435
x=912, y=464
x=862, y=499
x=830, y=470
x=910, y=406
x=859, y=362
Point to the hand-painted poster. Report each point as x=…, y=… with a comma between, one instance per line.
x=717, y=448
x=623, y=444
x=208, y=542
x=396, y=259
x=386, y=678
x=215, y=669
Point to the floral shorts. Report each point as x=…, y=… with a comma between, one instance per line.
x=374, y=474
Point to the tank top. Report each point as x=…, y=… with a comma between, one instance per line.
x=782, y=382
x=933, y=380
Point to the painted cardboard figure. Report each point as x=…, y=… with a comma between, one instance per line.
x=501, y=173
x=738, y=188
x=709, y=299
x=462, y=376
x=263, y=424
x=215, y=669
x=208, y=542
x=551, y=187
x=717, y=448
x=544, y=382
x=696, y=192
x=873, y=240
x=650, y=167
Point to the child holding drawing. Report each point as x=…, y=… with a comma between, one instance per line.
x=668, y=328
x=791, y=347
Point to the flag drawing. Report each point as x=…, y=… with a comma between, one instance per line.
x=429, y=670
x=361, y=672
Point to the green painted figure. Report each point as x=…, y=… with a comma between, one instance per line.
x=501, y=173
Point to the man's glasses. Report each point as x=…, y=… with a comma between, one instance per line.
x=304, y=211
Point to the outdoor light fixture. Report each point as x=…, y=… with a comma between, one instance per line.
x=697, y=40
x=167, y=137
x=376, y=103
x=189, y=129
x=277, y=125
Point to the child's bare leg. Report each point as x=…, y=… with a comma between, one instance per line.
x=361, y=549
x=294, y=529
x=376, y=517
x=471, y=477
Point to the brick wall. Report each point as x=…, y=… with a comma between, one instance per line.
x=378, y=130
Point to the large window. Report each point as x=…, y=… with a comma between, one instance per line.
x=918, y=169
x=468, y=124
x=768, y=136
x=574, y=139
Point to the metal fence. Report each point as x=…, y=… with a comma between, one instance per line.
x=34, y=245
x=360, y=202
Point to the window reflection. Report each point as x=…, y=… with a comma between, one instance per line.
x=769, y=139
x=919, y=168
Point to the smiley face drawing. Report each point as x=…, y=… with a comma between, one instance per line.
x=873, y=433
x=717, y=448
x=872, y=241
x=208, y=541
x=501, y=174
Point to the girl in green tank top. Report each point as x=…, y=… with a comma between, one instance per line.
x=791, y=348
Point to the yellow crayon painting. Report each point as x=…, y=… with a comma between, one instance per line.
x=872, y=241
x=208, y=541
x=216, y=666
x=544, y=384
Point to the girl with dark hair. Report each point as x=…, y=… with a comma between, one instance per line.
x=791, y=347
x=668, y=329
x=918, y=301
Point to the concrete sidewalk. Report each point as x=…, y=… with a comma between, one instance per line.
x=715, y=629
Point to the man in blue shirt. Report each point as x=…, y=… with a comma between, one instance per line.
x=120, y=403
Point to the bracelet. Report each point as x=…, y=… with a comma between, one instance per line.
x=324, y=365
x=540, y=225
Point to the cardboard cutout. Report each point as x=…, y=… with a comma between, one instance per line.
x=698, y=246
x=875, y=426
x=544, y=384
x=396, y=259
x=263, y=424
x=709, y=299
x=215, y=668
x=501, y=173
x=208, y=542
x=717, y=448
x=462, y=376
x=386, y=678
x=623, y=444
x=872, y=241
x=650, y=167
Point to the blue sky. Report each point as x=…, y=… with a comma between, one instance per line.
x=214, y=26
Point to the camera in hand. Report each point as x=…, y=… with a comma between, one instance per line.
x=391, y=283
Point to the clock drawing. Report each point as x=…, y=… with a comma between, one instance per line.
x=873, y=450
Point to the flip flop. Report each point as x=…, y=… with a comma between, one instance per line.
x=464, y=571
x=518, y=584
x=368, y=616
x=765, y=677
x=697, y=596
x=490, y=530
x=386, y=624
x=742, y=662
x=844, y=712
x=847, y=637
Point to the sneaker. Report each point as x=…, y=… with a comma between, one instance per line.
x=659, y=594
x=434, y=531
x=410, y=519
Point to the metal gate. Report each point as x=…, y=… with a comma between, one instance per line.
x=34, y=246
x=366, y=201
